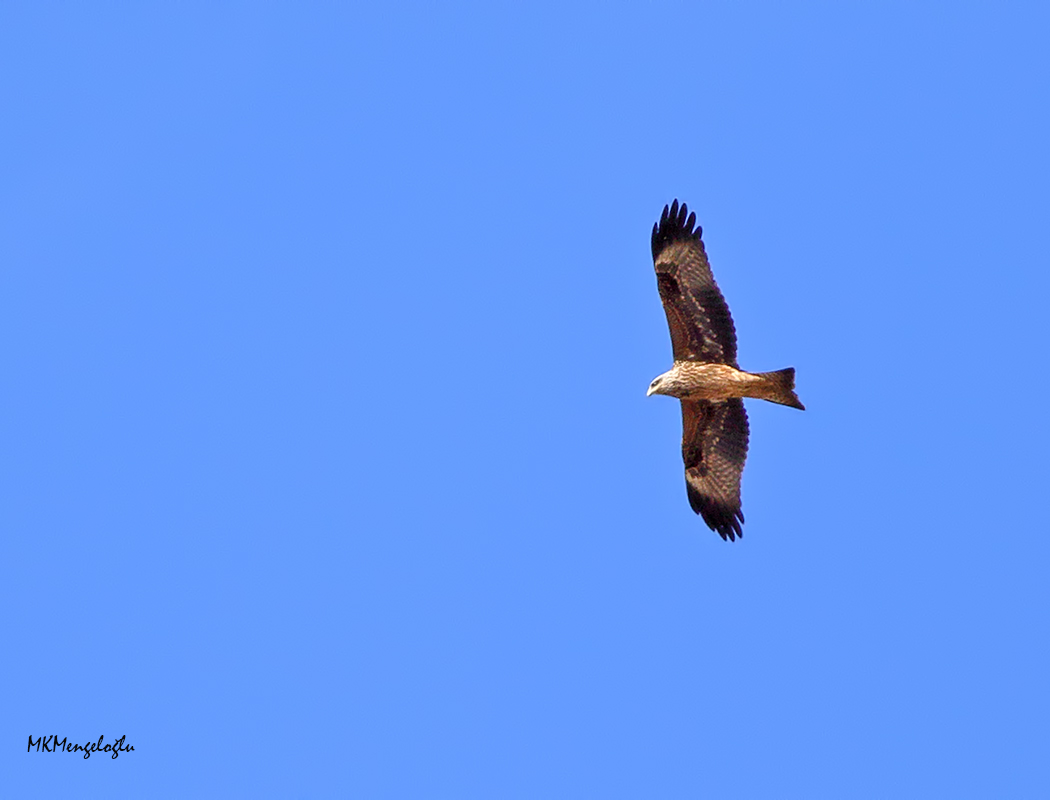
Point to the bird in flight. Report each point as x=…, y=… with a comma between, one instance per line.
x=705, y=375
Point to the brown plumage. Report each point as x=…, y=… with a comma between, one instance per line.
x=705, y=376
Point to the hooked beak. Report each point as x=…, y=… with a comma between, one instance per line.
x=652, y=390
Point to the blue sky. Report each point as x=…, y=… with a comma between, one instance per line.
x=327, y=464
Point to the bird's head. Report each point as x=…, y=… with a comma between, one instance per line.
x=660, y=385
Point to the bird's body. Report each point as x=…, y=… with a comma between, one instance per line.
x=696, y=380
x=705, y=375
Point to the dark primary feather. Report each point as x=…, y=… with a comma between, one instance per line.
x=697, y=314
x=714, y=448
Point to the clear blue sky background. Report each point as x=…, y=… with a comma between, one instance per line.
x=327, y=467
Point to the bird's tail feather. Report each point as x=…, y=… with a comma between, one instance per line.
x=779, y=387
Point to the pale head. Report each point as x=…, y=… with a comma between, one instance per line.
x=664, y=384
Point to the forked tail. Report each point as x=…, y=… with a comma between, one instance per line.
x=779, y=387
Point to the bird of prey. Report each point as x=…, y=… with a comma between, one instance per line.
x=705, y=375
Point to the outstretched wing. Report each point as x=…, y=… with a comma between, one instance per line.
x=714, y=448
x=701, y=328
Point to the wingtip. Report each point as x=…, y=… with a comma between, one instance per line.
x=723, y=518
x=730, y=533
x=676, y=224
